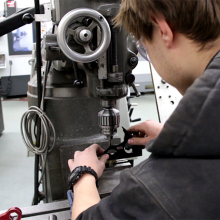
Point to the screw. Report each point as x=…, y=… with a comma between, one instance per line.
x=163, y=81
x=158, y=87
x=128, y=147
x=133, y=61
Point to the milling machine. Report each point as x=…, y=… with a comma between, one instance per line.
x=87, y=66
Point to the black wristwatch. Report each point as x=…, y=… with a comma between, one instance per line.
x=78, y=172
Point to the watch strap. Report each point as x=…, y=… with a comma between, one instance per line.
x=78, y=172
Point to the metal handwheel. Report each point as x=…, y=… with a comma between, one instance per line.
x=82, y=33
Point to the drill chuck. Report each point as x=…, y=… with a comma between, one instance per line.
x=109, y=119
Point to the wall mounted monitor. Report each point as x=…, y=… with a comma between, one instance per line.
x=20, y=41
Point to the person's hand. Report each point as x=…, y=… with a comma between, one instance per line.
x=88, y=157
x=144, y=132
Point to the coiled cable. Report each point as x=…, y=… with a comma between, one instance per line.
x=48, y=134
x=29, y=122
x=33, y=119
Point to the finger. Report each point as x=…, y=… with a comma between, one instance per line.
x=138, y=141
x=142, y=134
x=76, y=154
x=138, y=128
x=135, y=134
x=96, y=148
x=70, y=161
x=138, y=134
x=104, y=158
x=70, y=164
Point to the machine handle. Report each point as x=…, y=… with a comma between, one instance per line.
x=135, y=90
x=7, y=215
x=16, y=20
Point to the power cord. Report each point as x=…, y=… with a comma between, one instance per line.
x=28, y=131
x=30, y=121
x=33, y=124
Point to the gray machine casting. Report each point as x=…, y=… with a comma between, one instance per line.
x=91, y=69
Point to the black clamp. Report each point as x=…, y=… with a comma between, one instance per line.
x=124, y=150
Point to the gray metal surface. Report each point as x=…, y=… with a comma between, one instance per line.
x=102, y=71
x=54, y=91
x=85, y=35
x=76, y=123
x=51, y=49
x=61, y=7
x=61, y=215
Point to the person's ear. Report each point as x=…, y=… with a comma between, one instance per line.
x=166, y=32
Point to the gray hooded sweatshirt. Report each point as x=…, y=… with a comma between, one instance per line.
x=181, y=179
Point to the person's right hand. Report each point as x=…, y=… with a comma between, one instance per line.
x=144, y=132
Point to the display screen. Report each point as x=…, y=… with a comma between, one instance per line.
x=20, y=41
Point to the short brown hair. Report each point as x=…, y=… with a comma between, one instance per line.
x=198, y=20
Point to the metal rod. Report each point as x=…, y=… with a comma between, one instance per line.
x=14, y=21
x=39, y=92
x=114, y=46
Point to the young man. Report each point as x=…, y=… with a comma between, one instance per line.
x=181, y=178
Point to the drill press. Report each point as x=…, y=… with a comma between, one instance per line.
x=91, y=68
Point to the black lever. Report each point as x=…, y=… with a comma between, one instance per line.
x=17, y=20
x=130, y=110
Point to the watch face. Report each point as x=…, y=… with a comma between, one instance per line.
x=76, y=170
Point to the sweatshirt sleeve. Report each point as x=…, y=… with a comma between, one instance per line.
x=129, y=200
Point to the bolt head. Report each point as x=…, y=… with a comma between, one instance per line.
x=133, y=61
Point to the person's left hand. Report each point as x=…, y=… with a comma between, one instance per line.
x=88, y=157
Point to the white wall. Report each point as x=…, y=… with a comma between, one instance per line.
x=20, y=63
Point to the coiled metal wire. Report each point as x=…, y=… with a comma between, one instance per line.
x=28, y=127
